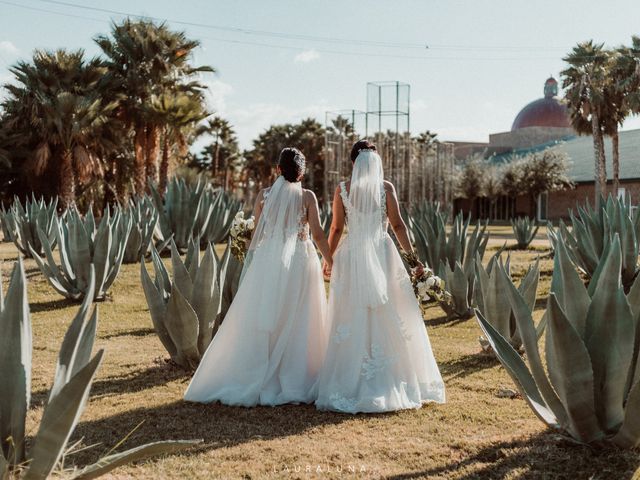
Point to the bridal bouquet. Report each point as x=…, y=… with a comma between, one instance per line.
x=426, y=284
x=241, y=230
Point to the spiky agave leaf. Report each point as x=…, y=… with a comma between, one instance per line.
x=15, y=366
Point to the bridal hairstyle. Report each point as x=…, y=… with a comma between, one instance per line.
x=292, y=164
x=361, y=145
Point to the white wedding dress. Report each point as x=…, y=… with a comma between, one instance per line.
x=379, y=356
x=271, y=345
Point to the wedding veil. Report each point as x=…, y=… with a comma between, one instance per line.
x=366, y=217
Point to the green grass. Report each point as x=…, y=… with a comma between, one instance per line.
x=476, y=434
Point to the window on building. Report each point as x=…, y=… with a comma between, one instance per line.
x=543, y=201
x=622, y=194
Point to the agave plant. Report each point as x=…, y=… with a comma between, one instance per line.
x=183, y=307
x=144, y=229
x=80, y=245
x=494, y=305
x=525, y=230
x=68, y=396
x=452, y=255
x=183, y=214
x=21, y=224
x=421, y=215
x=590, y=389
x=221, y=209
x=593, y=230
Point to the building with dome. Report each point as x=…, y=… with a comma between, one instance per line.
x=541, y=121
x=541, y=124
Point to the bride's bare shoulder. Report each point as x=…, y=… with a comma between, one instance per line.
x=308, y=195
x=388, y=187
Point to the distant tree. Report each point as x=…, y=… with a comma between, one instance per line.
x=512, y=179
x=492, y=187
x=545, y=171
x=470, y=181
x=308, y=136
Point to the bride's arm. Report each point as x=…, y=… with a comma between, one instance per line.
x=337, y=224
x=316, y=229
x=395, y=218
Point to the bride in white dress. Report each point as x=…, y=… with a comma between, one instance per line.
x=379, y=356
x=271, y=345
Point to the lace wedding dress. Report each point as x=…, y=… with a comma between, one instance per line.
x=271, y=345
x=379, y=356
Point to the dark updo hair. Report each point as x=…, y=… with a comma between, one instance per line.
x=361, y=145
x=292, y=164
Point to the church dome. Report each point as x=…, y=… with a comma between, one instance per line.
x=544, y=112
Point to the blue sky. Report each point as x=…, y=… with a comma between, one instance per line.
x=486, y=58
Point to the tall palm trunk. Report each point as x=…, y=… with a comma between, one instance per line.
x=616, y=161
x=164, y=163
x=67, y=180
x=600, y=165
x=153, y=152
x=139, y=165
x=121, y=181
x=216, y=160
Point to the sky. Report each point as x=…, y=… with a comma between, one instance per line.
x=472, y=65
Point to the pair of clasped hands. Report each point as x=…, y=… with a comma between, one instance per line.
x=327, y=265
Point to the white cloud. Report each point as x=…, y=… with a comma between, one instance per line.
x=216, y=95
x=306, y=56
x=8, y=48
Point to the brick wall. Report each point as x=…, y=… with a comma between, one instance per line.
x=560, y=203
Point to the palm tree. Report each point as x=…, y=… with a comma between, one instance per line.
x=223, y=151
x=585, y=81
x=309, y=138
x=427, y=140
x=179, y=110
x=148, y=60
x=624, y=88
x=627, y=72
x=60, y=118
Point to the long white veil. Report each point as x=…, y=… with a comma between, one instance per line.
x=366, y=217
x=273, y=245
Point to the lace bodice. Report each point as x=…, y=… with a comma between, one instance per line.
x=344, y=196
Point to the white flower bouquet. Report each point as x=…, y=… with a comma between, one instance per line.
x=427, y=286
x=241, y=231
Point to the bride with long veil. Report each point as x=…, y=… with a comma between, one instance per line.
x=271, y=345
x=379, y=356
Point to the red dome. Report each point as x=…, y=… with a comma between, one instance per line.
x=545, y=112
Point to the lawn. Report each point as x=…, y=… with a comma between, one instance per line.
x=478, y=433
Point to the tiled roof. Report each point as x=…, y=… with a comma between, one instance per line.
x=581, y=155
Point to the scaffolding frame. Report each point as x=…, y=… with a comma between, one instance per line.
x=419, y=172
